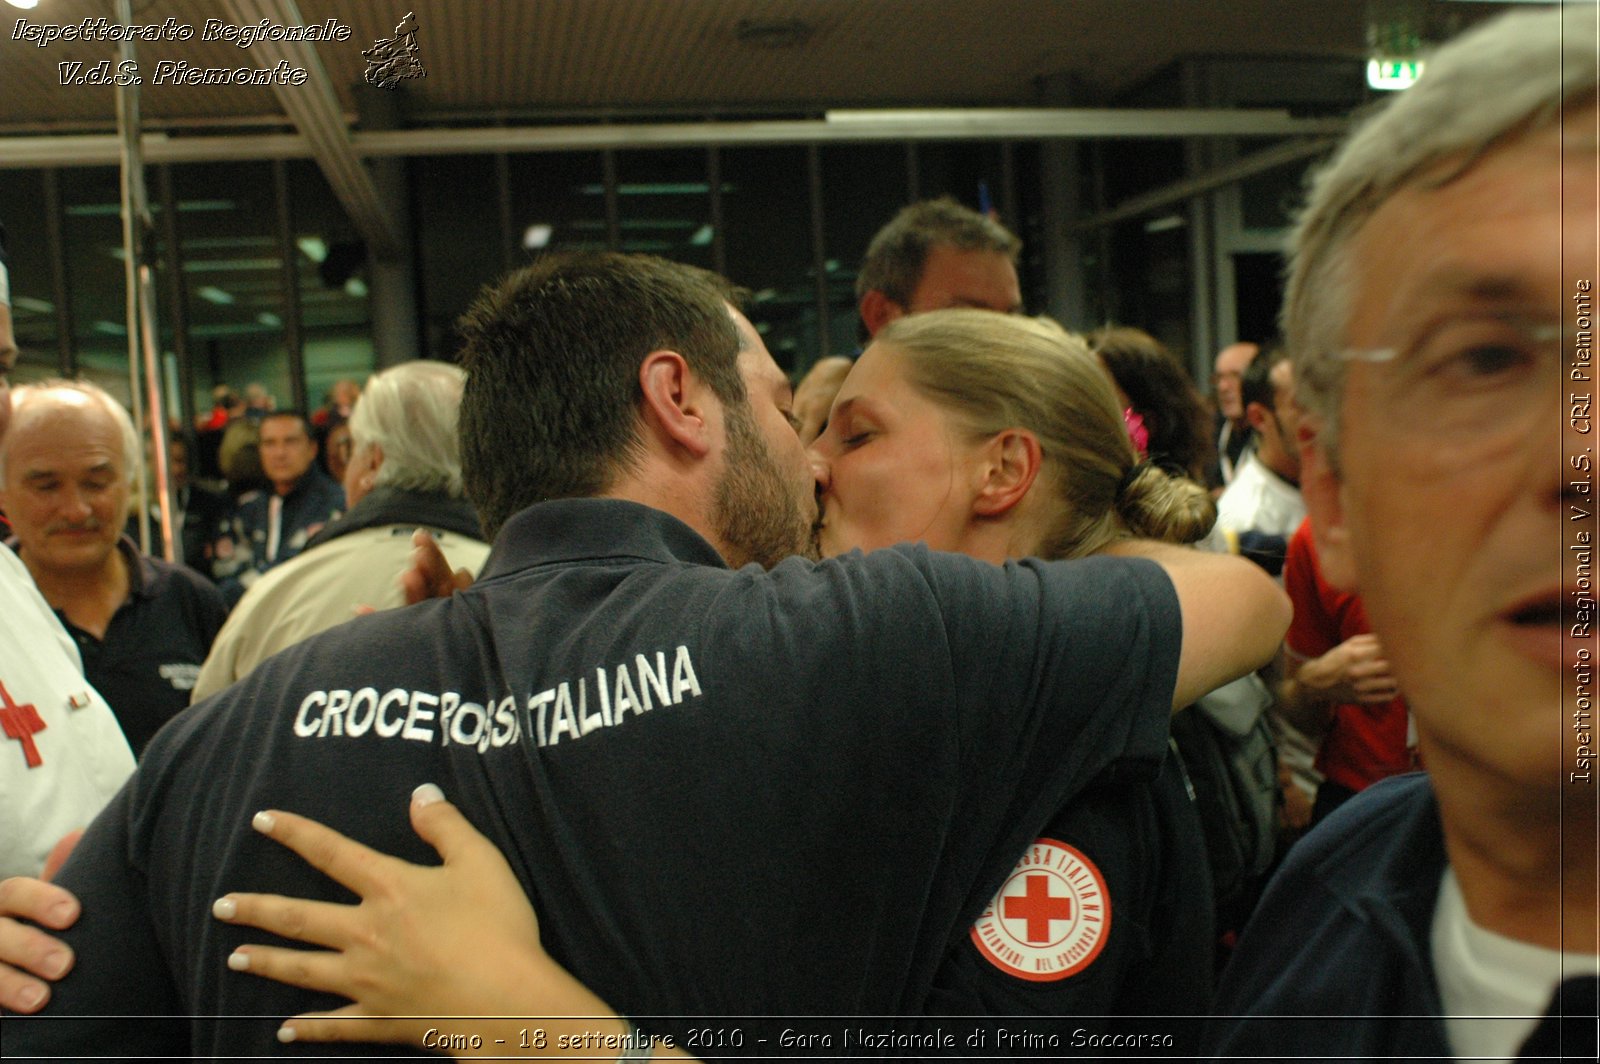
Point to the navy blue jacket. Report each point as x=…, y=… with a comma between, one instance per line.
x=1341, y=940
x=728, y=793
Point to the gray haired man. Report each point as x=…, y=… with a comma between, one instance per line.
x=1439, y=309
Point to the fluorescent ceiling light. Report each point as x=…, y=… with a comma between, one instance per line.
x=230, y=265
x=267, y=318
x=537, y=236
x=225, y=328
x=32, y=305
x=702, y=236
x=314, y=247
x=658, y=188
x=227, y=243
x=1164, y=223
x=110, y=328
x=26, y=5
x=596, y=226
x=114, y=210
x=356, y=288
x=212, y=294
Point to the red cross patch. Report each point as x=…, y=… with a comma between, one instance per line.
x=1050, y=918
x=20, y=723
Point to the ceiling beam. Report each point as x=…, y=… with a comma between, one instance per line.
x=1044, y=123
x=1218, y=177
x=314, y=109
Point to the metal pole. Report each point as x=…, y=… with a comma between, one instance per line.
x=137, y=228
x=178, y=295
x=60, y=290
x=289, y=273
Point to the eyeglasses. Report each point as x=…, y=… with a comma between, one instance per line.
x=1471, y=378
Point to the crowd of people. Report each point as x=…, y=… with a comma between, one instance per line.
x=986, y=674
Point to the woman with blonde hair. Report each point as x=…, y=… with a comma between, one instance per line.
x=970, y=431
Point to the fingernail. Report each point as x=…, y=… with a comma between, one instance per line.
x=55, y=964
x=239, y=962
x=286, y=1034
x=264, y=822
x=31, y=997
x=427, y=794
x=61, y=911
x=224, y=908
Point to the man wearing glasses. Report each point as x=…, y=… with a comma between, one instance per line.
x=1436, y=309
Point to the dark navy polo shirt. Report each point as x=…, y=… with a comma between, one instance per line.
x=146, y=664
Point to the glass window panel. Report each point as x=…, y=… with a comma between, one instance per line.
x=336, y=321
x=863, y=185
x=766, y=207
x=664, y=205
x=458, y=232
x=92, y=235
x=969, y=172
x=232, y=274
x=558, y=202
x=33, y=308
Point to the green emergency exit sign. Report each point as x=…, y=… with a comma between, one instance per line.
x=1393, y=74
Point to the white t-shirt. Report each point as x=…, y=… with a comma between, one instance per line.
x=68, y=755
x=1494, y=989
x=1257, y=500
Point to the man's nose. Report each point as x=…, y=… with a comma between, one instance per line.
x=77, y=505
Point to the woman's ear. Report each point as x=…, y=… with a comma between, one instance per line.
x=1008, y=467
x=674, y=404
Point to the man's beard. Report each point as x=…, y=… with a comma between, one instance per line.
x=757, y=514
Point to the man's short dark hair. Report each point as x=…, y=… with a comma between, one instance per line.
x=552, y=354
x=1255, y=386
x=292, y=415
x=895, y=259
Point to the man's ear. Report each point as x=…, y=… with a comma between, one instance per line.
x=675, y=402
x=1323, y=492
x=1010, y=463
x=1256, y=414
x=878, y=310
x=370, y=477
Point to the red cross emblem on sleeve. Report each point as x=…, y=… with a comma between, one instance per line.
x=1050, y=918
x=20, y=723
x=1037, y=907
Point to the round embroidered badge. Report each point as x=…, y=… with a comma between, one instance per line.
x=1050, y=918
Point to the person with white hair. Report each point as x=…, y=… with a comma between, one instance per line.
x=404, y=474
x=69, y=754
x=1438, y=309
x=142, y=625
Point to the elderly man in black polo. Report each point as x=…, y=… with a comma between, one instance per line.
x=142, y=625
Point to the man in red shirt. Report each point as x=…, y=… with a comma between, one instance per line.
x=1340, y=685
